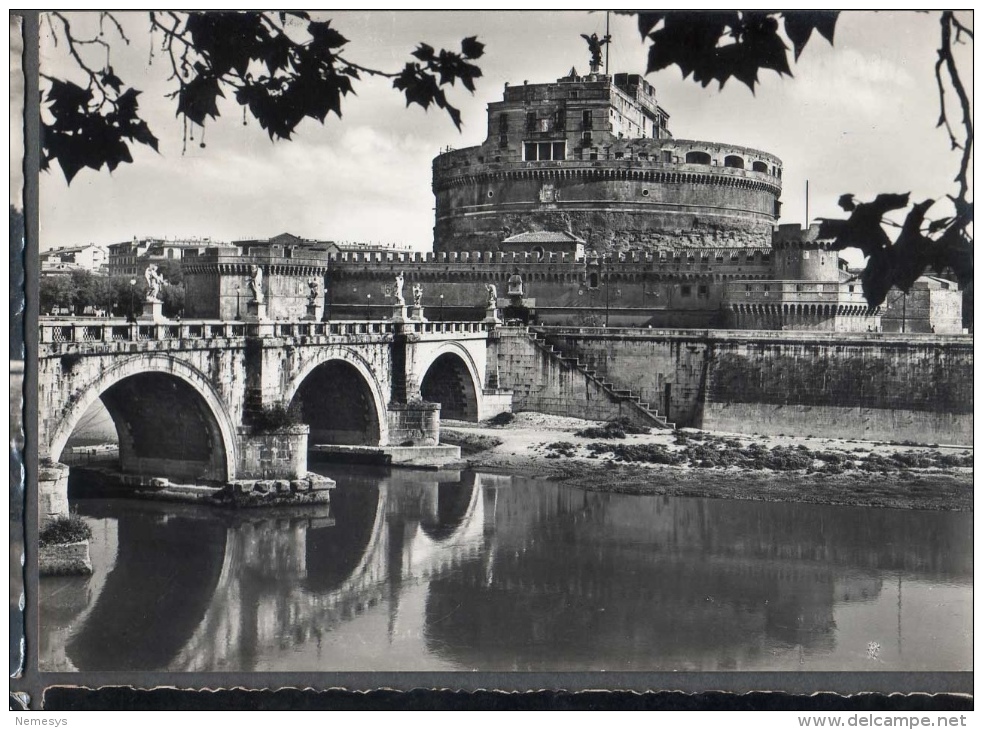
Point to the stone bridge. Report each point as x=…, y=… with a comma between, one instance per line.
x=192, y=401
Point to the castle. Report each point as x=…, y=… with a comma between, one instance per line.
x=593, y=156
x=580, y=191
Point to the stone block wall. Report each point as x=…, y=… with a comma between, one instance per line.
x=52, y=493
x=668, y=372
x=547, y=384
x=873, y=389
x=414, y=424
x=858, y=385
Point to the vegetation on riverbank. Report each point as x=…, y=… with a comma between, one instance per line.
x=619, y=428
x=64, y=531
x=701, y=450
x=470, y=443
x=694, y=463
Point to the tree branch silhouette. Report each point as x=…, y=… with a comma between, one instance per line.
x=280, y=67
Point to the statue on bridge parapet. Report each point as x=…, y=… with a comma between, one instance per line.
x=491, y=312
x=154, y=282
x=315, y=291
x=416, y=312
x=515, y=285
x=153, y=307
x=315, y=301
x=399, y=301
x=256, y=283
x=398, y=290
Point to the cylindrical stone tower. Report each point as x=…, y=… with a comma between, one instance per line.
x=593, y=156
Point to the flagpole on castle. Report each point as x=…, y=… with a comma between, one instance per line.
x=607, y=49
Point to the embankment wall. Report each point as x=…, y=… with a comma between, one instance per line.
x=873, y=386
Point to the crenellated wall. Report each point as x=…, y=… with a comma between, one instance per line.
x=681, y=288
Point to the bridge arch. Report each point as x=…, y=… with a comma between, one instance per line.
x=358, y=416
x=451, y=377
x=185, y=385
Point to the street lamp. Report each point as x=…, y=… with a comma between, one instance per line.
x=133, y=299
x=441, y=307
x=238, y=308
x=369, y=298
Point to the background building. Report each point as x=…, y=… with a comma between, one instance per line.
x=931, y=305
x=131, y=258
x=64, y=259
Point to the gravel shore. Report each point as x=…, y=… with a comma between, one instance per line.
x=834, y=471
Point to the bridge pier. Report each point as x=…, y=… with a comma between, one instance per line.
x=273, y=454
x=52, y=493
x=414, y=424
x=66, y=558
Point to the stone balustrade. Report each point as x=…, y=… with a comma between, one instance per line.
x=57, y=331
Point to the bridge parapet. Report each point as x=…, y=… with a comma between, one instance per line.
x=58, y=331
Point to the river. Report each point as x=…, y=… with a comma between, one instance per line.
x=449, y=570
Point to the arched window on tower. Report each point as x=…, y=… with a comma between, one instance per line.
x=697, y=158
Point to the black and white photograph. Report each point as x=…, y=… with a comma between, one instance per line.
x=499, y=341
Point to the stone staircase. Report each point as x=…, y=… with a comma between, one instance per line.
x=648, y=415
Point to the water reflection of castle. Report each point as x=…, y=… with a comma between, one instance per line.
x=494, y=574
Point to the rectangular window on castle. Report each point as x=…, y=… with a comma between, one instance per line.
x=685, y=290
x=703, y=291
x=544, y=151
x=531, y=121
x=667, y=155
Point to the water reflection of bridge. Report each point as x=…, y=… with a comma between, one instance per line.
x=491, y=573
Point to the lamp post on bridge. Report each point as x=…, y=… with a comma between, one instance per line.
x=441, y=307
x=133, y=300
x=238, y=305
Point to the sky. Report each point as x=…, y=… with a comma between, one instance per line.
x=855, y=118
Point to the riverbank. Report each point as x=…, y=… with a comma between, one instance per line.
x=726, y=466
